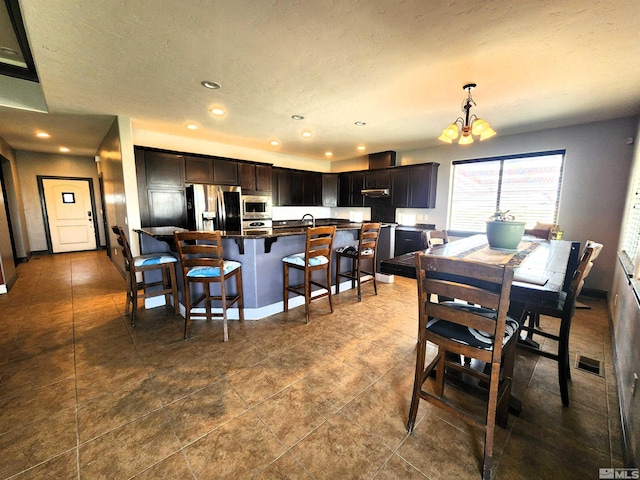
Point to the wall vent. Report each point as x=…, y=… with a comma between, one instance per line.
x=590, y=365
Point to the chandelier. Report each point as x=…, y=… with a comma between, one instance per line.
x=463, y=129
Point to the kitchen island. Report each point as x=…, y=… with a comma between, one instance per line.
x=261, y=252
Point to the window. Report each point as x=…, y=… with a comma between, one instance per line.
x=528, y=186
x=631, y=225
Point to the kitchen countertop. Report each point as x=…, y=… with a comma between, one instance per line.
x=282, y=230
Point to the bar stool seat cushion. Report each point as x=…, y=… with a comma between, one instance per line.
x=153, y=259
x=229, y=266
x=353, y=250
x=298, y=259
x=471, y=336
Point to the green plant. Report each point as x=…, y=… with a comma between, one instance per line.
x=502, y=216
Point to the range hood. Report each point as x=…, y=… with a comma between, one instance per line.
x=375, y=192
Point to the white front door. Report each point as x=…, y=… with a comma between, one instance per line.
x=70, y=215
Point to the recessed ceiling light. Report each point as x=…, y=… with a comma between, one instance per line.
x=297, y=117
x=64, y=149
x=42, y=135
x=361, y=148
x=275, y=143
x=360, y=124
x=328, y=154
x=306, y=134
x=210, y=84
x=192, y=126
x=217, y=111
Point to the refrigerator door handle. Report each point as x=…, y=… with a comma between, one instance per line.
x=222, y=210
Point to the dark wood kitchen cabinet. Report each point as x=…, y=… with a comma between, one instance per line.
x=414, y=186
x=377, y=178
x=161, y=191
x=225, y=171
x=349, y=191
x=221, y=171
x=254, y=178
x=408, y=241
x=296, y=187
x=330, y=189
x=198, y=170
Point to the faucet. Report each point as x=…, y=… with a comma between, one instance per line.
x=313, y=220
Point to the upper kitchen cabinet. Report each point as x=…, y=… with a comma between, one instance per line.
x=161, y=192
x=414, y=186
x=377, y=178
x=296, y=187
x=280, y=186
x=160, y=169
x=330, y=189
x=350, y=188
x=225, y=171
x=221, y=171
x=198, y=170
x=255, y=177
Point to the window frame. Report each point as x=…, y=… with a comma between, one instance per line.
x=502, y=159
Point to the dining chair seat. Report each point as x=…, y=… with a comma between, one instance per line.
x=468, y=335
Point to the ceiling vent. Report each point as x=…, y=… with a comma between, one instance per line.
x=382, y=160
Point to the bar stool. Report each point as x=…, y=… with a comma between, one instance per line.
x=317, y=256
x=203, y=263
x=162, y=262
x=366, y=250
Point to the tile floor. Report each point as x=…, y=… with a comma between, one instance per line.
x=85, y=396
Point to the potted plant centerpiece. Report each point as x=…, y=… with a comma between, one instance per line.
x=503, y=231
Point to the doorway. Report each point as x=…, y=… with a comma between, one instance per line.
x=69, y=213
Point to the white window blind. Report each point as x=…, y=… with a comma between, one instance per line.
x=631, y=229
x=526, y=185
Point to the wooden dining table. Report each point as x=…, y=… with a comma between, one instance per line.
x=542, y=268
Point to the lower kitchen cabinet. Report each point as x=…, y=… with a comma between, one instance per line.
x=408, y=241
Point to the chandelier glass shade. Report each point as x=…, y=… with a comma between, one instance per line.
x=464, y=129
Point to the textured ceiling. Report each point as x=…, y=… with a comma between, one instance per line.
x=398, y=65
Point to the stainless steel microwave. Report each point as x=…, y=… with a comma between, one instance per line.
x=256, y=207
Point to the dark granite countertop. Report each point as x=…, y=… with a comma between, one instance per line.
x=281, y=230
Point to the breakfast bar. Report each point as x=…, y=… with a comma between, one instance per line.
x=260, y=252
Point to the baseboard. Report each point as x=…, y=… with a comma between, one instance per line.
x=593, y=293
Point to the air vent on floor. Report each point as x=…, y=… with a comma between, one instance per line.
x=589, y=365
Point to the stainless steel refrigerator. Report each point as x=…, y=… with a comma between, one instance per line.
x=214, y=207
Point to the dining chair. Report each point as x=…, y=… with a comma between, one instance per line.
x=316, y=257
x=365, y=251
x=144, y=264
x=484, y=333
x=431, y=238
x=563, y=310
x=203, y=264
